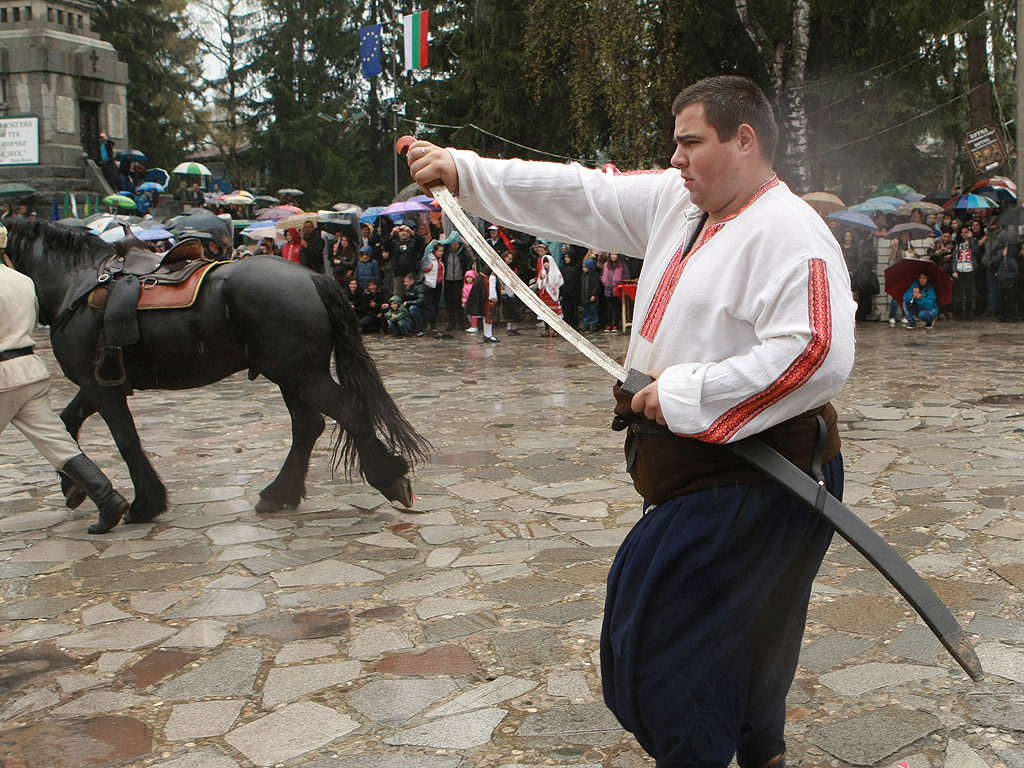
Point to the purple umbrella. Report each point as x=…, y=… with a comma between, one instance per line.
x=407, y=206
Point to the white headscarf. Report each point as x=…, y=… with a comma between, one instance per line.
x=552, y=282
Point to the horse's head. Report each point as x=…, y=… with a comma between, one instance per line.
x=57, y=258
x=34, y=245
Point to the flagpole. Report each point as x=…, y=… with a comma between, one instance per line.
x=394, y=100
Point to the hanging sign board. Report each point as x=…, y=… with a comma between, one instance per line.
x=985, y=149
x=19, y=140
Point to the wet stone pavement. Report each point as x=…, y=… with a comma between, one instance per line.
x=349, y=634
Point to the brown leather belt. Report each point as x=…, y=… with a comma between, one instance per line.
x=10, y=354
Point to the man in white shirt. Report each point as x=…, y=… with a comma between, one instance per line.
x=744, y=318
x=25, y=402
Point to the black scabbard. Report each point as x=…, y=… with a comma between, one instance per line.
x=875, y=549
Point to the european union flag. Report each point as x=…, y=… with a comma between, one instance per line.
x=369, y=50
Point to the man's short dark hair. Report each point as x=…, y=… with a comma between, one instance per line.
x=411, y=276
x=729, y=101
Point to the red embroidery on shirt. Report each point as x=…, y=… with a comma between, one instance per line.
x=799, y=371
x=663, y=295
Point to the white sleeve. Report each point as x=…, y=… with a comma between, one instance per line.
x=567, y=203
x=802, y=360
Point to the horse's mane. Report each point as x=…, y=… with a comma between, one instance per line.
x=62, y=246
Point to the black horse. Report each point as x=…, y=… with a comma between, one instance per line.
x=264, y=314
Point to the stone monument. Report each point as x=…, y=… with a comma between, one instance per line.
x=60, y=86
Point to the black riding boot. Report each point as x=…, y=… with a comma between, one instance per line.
x=111, y=504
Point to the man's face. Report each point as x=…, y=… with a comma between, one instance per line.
x=705, y=163
x=408, y=282
x=947, y=237
x=307, y=227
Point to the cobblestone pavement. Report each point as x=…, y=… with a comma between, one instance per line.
x=348, y=634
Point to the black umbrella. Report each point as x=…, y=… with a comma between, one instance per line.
x=1013, y=218
x=939, y=196
x=202, y=220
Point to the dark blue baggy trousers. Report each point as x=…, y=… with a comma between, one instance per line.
x=705, y=612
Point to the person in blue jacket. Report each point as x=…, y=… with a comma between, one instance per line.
x=920, y=302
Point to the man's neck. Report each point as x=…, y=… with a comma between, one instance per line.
x=745, y=191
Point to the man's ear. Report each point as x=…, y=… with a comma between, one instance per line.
x=747, y=138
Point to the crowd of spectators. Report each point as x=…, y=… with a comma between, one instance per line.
x=981, y=257
x=406, y=279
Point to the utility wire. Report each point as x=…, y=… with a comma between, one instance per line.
x=964, y=95
x=500, y=138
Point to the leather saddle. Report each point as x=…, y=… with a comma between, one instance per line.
x=135, y=278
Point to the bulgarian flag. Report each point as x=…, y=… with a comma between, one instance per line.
x=415, y=28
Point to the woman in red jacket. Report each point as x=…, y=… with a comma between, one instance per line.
x=292, y=250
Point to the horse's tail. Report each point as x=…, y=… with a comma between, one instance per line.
x=358, y=375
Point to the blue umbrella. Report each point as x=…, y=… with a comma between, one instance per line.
x=159, y=175
x=133, y=154
x=148, y=185
x=854, y=218
x=153, y=233
x=371, y=214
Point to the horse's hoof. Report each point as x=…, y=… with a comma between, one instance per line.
x=400, y=490
x=265, y=505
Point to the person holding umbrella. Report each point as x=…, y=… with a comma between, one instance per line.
x=920, y=302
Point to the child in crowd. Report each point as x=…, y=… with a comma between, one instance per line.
x=473, y=300
x=612, y=275
x=590, y=286
x=366, y=268
x=491, y=308
x=371, y=311
x=398, y=317
x=549, y=286
x=512, y=306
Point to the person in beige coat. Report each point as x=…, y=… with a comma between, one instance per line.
x=25, y=400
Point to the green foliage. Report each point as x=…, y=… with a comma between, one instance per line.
x=885, y=88
x=157, y=42
x=307, y=62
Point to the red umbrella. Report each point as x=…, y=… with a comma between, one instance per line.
x=900, y=275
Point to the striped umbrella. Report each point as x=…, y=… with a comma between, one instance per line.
x=970, y=201
x=192, y=168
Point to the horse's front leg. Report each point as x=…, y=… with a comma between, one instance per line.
x=74, y=415
x=289, y=487
x=150, y=492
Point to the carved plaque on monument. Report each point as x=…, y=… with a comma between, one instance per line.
x=116, y=121
x=66, y=119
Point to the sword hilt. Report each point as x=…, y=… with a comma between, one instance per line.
x=635, y=381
